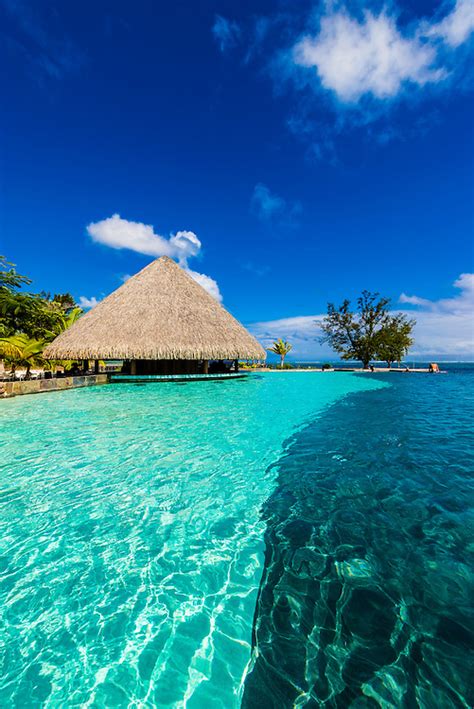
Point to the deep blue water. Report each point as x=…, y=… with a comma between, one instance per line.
x=367, y=594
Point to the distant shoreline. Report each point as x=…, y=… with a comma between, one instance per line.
x=376, y=370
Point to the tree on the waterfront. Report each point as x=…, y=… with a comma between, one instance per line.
x=395, y=339
x=361, y=333
x=29, y=321
x=36, y=315
x=22, y=351
x=281, y=348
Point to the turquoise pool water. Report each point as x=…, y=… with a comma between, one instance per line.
x=132, y=541
x=284, y=540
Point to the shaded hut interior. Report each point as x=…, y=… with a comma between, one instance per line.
x=145, y=367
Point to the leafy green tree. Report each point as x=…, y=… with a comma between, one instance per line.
x=281, y=348
x=27, y=313
x=394, y=339
x=9, y=279
x=19, y=311
x=22, y=351
x=36, y=315
x=29, y=321
x=359, y=334
x=65, y=301
x=10, y=282
x=61, y=301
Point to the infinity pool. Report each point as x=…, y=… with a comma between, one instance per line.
x=282, y=540
x=132, y=540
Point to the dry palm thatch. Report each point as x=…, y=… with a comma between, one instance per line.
x=160, y=313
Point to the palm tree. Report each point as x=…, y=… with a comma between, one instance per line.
x=280, y=347
x=22, y=351
x=64, y=321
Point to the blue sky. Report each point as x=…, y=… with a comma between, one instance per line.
x=288, y=153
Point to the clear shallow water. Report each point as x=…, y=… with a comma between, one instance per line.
x=131, y=535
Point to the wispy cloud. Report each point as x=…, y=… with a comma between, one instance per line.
x=270, y=207
x=118, y=233
x=302, y=331
x=265, y=204
x=443, y=327
x=352, y=67
x=413, y=300
x=40, y=40
x=456, y=27
x=88, y=303
x=226, y=33
x=259, y=270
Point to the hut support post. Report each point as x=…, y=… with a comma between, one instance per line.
x=96, y=366
x=205, y=367
x=133, y=367
x=85, y=365
x=236, y=365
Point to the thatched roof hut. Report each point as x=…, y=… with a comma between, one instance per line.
x=161, y=313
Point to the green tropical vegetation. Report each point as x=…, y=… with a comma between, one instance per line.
x=280, y=347
x=395, y=339
x=29, y=321
x=368, y=332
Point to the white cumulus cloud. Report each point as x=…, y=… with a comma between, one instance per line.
x=207, y=283
x=88, y=303
x=121, y=233
x=118, y=233
x=373, y=55
x=353, y=57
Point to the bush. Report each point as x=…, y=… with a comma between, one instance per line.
x=326, y=365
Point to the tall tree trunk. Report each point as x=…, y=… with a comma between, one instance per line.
x=282, y=360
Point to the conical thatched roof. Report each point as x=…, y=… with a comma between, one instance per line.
x=160, y=313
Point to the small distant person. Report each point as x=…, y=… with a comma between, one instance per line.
x=371, y=367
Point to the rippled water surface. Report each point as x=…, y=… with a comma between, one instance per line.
x=367, y=595
x=132, y=539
